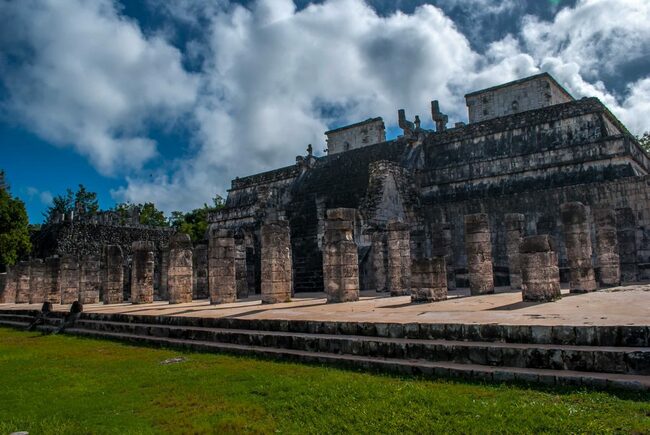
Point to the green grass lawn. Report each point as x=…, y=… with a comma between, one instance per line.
x=63, y=384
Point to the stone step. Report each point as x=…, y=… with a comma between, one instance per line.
x=631, y=360
x=401, y=366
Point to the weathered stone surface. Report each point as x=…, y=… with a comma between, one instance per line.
x=577, y=239
x=222, y=280
x=607, y=246
x=179, y=273
x=515, y=223
x=441, y=244
x=429, y=280
x=241, y=274
x=161, y=292
x=340, y=258
x=200, y=272
x=22, y=282
x=399, y=258
x=626, y=224
x=479, y=254
x=8, y=294
x=51, y=280
x=539, y=269
x=379, y=260
x=36, y=277
x=89, y=280
x=142, y=272
x=113, y=278
x=69, y=279
x=277, y=277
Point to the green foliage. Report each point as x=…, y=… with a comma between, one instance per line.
x=64, y=384
x=82, y=202
x=14, y=227
x=195, y=223
x=644, y=141
x=150, y=215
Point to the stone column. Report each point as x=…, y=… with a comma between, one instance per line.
x=22, y=282
x=36, y=285
x=429, y=279
x=607, y=246
x=221, y=267
x=8, y=295
x=200, y=272
x=89, y=280
x=577, y=239
x=515, y=224
x=163, y=284
x=113, y=283
x=539, y=269
x=179, y=273
x=379, y=260
x=142, y=271
x=276, y=265
x=626, y=235
x=69, y=279
x=51, y=280
x=399, y=258
x=241, y=277
x=340, y=257
x=441, y=247
x=478, y=243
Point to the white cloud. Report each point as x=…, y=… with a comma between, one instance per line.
x=79, y=74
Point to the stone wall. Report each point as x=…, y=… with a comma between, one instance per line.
x=350, y=137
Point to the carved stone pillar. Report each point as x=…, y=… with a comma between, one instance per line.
x=179, y=269
x=51, y=280
x=276, y=264
x=441, y=247
x=399, y=258
x=8, y=295
x=607, y=246
x=36, y=276
x=69, y=279
x=113, y=279
x=515, y=223
x=379, y=260
x=142, y=272
x=221, y=267
x=478, y=243
x=340, y=257
x=89, y=280
x=241, y=276
x=539, y=269
x=577, y=239
x=626, y=234
x=22, y=282
x=200, y=272
x=429, y=280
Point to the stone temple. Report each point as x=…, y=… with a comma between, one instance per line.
x=366, y=256
x=529, y=147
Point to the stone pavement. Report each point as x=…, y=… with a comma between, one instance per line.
x=629, y=305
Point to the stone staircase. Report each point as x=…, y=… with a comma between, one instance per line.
x=595, y=356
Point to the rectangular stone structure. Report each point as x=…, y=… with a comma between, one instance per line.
x=399, y=258
x=222, y=281
x=142, y=272
x=22, y=282
x=540, y=273
x=626, y=225
x=51, y=285
x=379, y=260
x=69, y=279
x=577, y=240
x=276, y=263
x=179, y=272
x=441, y=246
x=89, y=280
x=340, y=257
x=478, y=244
x=607, y=246
x=241, y=275
x=8, y=295
x=200, y=272
x=162, y=292
x=515, y=225
x=113, y=278
x=429, y=279
x=36, y=277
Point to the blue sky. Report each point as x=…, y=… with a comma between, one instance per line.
x=164, y=101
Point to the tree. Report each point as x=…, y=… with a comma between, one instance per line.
x=85, y=202
x=644, y=141
x=14, y=227
x=61, y=204
x=150, y=215
x=82, y=202
x=195, y=223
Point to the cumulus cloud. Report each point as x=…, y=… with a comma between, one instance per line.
x=78, y=74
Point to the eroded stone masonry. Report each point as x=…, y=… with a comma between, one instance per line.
x=536, y=189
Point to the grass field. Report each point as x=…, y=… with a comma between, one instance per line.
x=63, y=384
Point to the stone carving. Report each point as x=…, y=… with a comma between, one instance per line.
x=577, y=239
x=340, y=257
x=379, y=260
x=89, y=280
x=142, y=272
x=221, y=266
x=478, y=244
x=441, y=247
x=439, y=118
x=179, y=273
x=113, y=283
x=22, y=282
x=277, y=280
x=514, y=234
x=399, y=258
x=8, y=295
x=607, y=246
x=429, y=280
x=51, y=280
x=36, y=277
x=540, y=273
x=241, y=275
x=626, y=224
x=69, y=279
x=200, y=272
